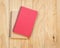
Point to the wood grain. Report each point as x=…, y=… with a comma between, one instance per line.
x=50, y=24
x=3, y=23
x=58, y=24
x=46, y=32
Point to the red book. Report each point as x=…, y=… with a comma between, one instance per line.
x=25, y=22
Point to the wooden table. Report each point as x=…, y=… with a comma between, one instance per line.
x=46, y=32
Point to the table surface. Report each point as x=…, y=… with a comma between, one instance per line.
x=46, y=32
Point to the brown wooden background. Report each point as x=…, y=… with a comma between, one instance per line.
x=46, y=32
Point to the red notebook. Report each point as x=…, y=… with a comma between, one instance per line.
x=25, y=22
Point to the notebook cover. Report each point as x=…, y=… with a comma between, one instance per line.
x=25, y=22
